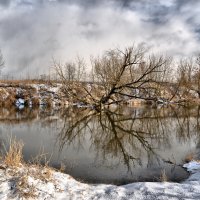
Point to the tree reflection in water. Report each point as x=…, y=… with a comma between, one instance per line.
x=128, y=134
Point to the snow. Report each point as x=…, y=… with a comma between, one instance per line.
x=20, y=101
x=45, y=91
x=192, y=166
x=53, y=89
x=63, y=186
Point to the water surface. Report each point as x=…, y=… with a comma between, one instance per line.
x=118, y=146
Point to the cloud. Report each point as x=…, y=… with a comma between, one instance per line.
x=5, y=2
x=34, y=31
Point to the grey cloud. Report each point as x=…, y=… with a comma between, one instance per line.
x=32, y=31
x=5, y=2
x=183, y=3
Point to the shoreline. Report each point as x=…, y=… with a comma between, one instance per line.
x=37, y=182
x=33, y=93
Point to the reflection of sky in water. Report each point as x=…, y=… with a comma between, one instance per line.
x=94, y=154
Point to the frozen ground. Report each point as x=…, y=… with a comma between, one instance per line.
x=56, y=185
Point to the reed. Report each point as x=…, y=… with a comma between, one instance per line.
x=14, y=156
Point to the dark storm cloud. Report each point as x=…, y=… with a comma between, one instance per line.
x=32, y=31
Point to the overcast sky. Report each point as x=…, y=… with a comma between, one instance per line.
x=34, y=31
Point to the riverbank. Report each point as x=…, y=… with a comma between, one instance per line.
x=34, y=182
x=35, y=93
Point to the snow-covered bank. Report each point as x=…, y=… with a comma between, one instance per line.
x=43, y=183
x=31, y=95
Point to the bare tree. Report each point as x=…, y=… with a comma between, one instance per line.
x=196, y=76
x=2, y=62
x=185, y=72
x=72, y=76
x=117, y=75
x=189, y=75
x=122, y=73
x=71, y=71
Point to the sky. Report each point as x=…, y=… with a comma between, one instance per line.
x=32, y=32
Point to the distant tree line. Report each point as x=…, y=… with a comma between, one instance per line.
x=124, y=74
x=133, y=73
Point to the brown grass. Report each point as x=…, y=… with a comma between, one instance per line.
x=14, y=157
x=10, y=101
x=24, y=189
x=28, y=81
x=62, y=167
x=189, y=157
x=48, y=102
x=35, y=101
x=163, y=176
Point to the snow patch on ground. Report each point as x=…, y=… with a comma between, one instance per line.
x=192, y=166
x=20, y=101
x=63, y=186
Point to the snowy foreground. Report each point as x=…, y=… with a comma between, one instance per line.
x=27, y=182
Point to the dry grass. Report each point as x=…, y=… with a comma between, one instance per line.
x=10, y=91
x=163, y=176
x=14, y=156
x=62, y=167
x=28, y=81
x=10, y=101
x=43, y=171
x=189, y=157
x=20, y=172
x=35, y=101
x=48, y=102
x=24, y=189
